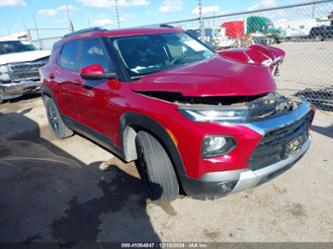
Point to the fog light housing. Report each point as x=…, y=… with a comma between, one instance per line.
x=226, y=187
x=217, y=146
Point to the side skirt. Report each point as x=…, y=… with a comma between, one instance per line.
x=93, y=135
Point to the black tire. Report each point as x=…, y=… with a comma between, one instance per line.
x=319, y=38
x=1, y=97
x=55, y=121
x=156, y=169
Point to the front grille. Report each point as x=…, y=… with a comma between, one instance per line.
x=25, y=70
x=269, y=106
x=278, y=144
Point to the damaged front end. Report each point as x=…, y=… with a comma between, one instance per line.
x=257, y=54
x=231, y=115
x=235, y=86
x=230, y=108
x=248, y=110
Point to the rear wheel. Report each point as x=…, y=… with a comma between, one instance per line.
x=156, y=169
x=55, y=121
x=319, y=38
x=1, y=97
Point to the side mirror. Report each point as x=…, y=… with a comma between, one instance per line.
x=96, y=72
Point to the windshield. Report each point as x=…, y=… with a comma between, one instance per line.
x=147, y=54
x=8, y=47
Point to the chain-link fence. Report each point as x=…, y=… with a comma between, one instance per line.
x=41, y=37
x=46, y=43
x=304, y=31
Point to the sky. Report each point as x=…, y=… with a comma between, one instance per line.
x=17, y=14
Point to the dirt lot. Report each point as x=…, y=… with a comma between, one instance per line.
x=53, y=190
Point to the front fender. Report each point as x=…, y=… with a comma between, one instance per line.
x=137, y=122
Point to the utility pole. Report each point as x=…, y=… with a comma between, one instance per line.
x=8, y=30
x=70, y=24
x=202, y=25
x=26, y=30
x=330, y=17
x=37, y=31
x=116, y=7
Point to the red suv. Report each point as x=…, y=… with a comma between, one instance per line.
x=195, y=120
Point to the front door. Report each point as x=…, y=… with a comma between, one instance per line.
x=92, y=97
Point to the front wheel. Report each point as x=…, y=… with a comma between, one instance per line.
x=156, y=169
x=58, y=126
x=319, y=38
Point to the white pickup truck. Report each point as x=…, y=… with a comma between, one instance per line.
x=19, y=68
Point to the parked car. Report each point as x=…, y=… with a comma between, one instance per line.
x=19, y=65
x=204, y=122
x=321, y=33
x=298, y=28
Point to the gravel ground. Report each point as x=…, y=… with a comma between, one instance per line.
x=52, y=190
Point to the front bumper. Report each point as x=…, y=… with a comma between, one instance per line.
x=216, y=184
x=220, y=183
x=14, y=90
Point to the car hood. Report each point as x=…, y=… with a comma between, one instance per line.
x=24, y=56
x=216, y=76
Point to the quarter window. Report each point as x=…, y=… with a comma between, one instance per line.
x=68, y=55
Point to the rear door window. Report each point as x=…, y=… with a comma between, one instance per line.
x=68, y=55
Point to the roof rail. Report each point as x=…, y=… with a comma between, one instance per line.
x=161, y=25
x=81, y=31
x=166, y=26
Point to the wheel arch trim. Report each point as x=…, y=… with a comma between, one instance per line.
x=131, y=122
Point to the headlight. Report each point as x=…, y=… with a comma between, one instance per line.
x=217, y=145
x=4, y=73
x=215, y=114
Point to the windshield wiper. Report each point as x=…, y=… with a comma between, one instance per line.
x=136, y=77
